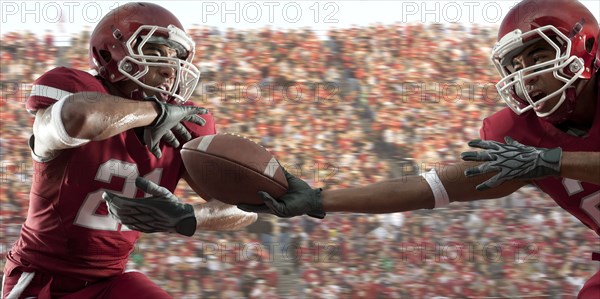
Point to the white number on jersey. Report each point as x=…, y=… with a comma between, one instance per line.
x=590, y=204
x=87, y=217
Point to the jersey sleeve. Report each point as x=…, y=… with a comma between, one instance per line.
x=58, y=83
x=525, y=128
x=496, y=125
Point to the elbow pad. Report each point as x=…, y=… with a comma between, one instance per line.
x=63, y=139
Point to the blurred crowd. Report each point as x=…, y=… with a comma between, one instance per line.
x=341, y=108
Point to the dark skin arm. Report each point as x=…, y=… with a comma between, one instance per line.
x=413, y=192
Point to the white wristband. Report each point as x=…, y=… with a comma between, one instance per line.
x=439, y=192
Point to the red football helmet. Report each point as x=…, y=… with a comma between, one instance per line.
x=571, y=29
x=117, y=41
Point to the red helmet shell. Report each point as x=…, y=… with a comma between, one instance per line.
x=107, y=42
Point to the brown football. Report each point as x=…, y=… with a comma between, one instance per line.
x=233, y=169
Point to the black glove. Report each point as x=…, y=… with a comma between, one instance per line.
x=162, y=212
x=168, y=121
x=300, y=199
x=512, y=160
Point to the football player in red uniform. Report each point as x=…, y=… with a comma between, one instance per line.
x=100, y=130
x=548, y=58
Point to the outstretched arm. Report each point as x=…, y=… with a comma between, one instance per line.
x=412, y=192
x=395, y=195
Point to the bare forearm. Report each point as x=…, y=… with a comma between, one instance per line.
x=214, y=215
x=97, y=116
x=218, y=216
x=582, y=166
x=396, y=195
x=413, y=192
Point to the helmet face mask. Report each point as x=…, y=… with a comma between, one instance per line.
x=136, y=64
x=513, y=87
x=116, y=50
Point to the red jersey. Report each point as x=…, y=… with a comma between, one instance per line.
x=68, y=230
x=581, y=199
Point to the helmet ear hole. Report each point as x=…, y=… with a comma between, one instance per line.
x=105, y=55
x=589, y=44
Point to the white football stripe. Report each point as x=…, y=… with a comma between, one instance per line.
x=205, y=142
x=271, y=168
x=49, y=92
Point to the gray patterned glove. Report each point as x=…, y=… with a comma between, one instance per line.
x=162, y=212
x=512, y=160
x=300, y=199
x=168, y=122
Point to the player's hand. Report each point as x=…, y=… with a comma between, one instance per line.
x=168, y=123
x=512, y=160
x=300, y=199
x=161, y=212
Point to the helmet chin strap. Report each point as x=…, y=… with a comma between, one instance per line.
x=568, y=106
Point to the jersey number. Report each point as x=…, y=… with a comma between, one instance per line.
x=590, y=204
x=87, y=216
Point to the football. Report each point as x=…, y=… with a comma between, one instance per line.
x=233, y=168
